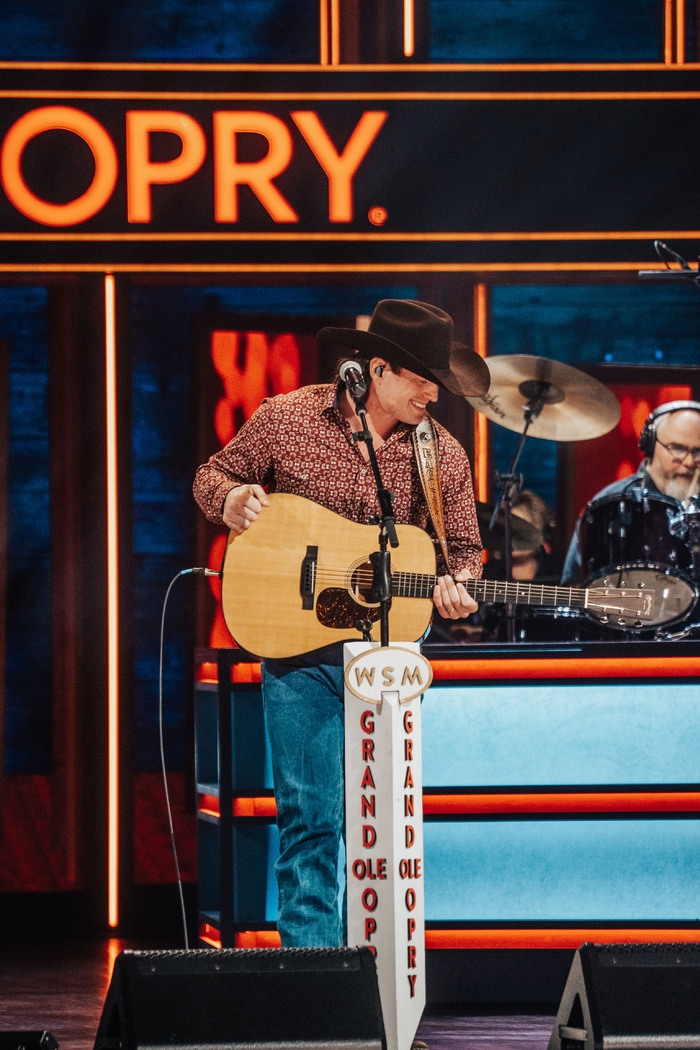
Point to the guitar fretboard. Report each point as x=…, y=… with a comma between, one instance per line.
x=421, y=585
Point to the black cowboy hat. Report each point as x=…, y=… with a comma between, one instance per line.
x=416, y=336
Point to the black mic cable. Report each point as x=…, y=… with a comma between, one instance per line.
x=184, y=572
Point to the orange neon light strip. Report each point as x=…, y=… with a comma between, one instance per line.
x=329, y=12
x=674, y=42
x=554, y=938
x=473, y=668
x=255, y=807
x=356, y=96
x=209, y=934
x=335, y=32
x=263, y=806
x=112, y=605
x=531, y=937
x=310, y=67
x=409, y=39
x=680, y=32
x=209, y=805
x=258, y=939
x=504, y=803
x=323, y=32
x=321, y=268
x=446, y=236
x=585, y=667
x=481, y=441
x=565, y=802
x=668, y=32
x=242, y=674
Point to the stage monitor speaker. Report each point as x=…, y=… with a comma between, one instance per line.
x=275, y=998
x=631, y=997
x=35, y=1040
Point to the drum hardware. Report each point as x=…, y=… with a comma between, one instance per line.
x=686, y=524
x=691, y=630
x=545, y=624
x=560, y=403
x=524, y=535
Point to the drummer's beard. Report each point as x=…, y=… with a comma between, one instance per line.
x=679, y=486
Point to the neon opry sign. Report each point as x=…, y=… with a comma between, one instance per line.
x=301, y=169
x=144, y=169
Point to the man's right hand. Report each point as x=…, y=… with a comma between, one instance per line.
x=242, y=506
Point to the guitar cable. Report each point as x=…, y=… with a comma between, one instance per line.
x=183, y=572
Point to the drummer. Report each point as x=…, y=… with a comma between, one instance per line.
x=670, y=441
x=527, y=563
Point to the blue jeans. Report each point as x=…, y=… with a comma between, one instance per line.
x=305, y=722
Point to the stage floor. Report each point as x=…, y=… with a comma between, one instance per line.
x=60, y=988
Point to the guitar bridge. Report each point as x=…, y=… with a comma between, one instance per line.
x=307, y=585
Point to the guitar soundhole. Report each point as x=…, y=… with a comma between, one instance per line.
x=336, y=608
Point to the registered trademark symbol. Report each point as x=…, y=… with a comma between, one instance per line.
x=377, y=216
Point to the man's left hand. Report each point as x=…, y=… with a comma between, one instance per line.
x=451, y=598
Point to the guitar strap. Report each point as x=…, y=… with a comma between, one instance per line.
x=425, y=444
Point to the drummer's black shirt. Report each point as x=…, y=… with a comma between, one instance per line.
x=639, y=482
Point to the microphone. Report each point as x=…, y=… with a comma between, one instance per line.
x=662, y=249
x=684, y=274
x=351, y=374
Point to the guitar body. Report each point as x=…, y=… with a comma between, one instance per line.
x=288, y=581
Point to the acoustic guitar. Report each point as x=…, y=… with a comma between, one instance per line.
x=300, y=578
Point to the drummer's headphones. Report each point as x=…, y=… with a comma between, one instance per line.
x=647, y=437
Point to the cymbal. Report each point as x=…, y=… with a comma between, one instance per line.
x=524, y=535
x=576, y=407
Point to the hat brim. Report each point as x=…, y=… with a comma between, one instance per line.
x=467, y=376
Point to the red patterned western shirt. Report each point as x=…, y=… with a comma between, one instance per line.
x=301, y=443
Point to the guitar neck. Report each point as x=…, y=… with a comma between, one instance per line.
x=421, y=585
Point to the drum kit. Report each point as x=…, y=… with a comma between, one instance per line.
x=638, y=540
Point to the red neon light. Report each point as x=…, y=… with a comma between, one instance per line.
x=251, y=366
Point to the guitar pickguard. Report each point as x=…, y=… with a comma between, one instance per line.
x=336, y=608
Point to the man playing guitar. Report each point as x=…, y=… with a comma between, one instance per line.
x=302, y=443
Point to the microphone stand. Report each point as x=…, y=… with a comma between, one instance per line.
x=540, y=394
x=686, y=524
x=381, y=559
x=686, y=273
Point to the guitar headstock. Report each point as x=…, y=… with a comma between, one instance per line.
x=630, y=607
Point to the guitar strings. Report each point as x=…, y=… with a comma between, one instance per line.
x=546, y=593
